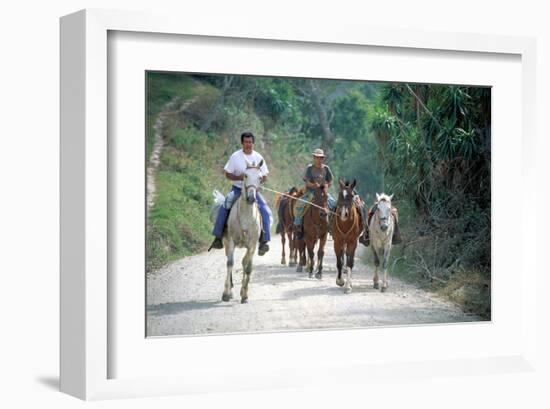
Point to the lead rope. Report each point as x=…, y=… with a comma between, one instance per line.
x=301, y=200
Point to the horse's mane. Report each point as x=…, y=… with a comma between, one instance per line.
x=293, y=192
x=383, y=196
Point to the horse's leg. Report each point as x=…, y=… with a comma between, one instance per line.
x=283, y=239
x=350, y=254
x=247, y=270
x=339, y=251
x=310, y=256
x=385, y=260
x=292, y=251
x=320, y=255
x=300, y=249
x=376, y=264
x=229, y=252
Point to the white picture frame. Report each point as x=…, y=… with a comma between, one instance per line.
x=86, y=300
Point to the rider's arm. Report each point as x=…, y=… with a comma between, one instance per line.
x=231, y=176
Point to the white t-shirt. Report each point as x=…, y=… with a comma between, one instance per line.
x=237, y=164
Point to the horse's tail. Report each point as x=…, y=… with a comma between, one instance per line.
x=218, y=202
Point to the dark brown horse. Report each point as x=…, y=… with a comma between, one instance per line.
x=285, y=211
x=315, y=224
x=347, y=225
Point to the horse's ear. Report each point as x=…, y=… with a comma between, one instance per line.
x=248, y=165
x=341, y=182
x=377, y=197
x=260, y=164
x=353, y=183
x=391, y=197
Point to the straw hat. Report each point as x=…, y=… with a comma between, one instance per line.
x=319, y=152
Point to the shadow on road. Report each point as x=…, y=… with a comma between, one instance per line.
x=158, y=310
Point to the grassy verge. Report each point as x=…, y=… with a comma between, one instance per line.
x=469, y=288
x=161, y=88
x=179, y=222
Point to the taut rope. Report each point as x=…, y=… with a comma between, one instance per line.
x=300, y=199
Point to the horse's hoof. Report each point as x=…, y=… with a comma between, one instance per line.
x=310, y=275
x=299, y=269
x=340, y=282
x=244, y=300
x=226, y=297
x=291, y=264
x=347, y=290
x=376, y=286
x=318, y=276
x=283, y=262
x=383, y=289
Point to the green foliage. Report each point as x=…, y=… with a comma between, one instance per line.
x=438, y=159
x=275, y=98
x=350, y=115
x=161, y=88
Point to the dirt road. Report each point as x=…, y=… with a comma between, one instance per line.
x=184, y=298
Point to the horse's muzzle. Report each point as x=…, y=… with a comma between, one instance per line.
x=250, y=199
x=384, y=227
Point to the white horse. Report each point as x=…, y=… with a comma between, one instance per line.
x=381, y=228
x=243, y=230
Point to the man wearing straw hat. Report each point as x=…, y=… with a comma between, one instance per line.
x=317, y=174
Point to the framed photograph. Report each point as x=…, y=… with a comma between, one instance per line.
x=152, y=110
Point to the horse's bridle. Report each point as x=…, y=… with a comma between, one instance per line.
x=353, y=209
x=382, y=219
x=320, y=205
x=255, y=186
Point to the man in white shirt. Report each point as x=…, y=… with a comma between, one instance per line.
x=234, y=171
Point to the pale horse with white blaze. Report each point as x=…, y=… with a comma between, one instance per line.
x=381, y=229
x=243, y=230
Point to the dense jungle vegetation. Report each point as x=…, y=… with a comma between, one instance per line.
x=428, y=145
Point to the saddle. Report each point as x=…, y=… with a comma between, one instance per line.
x=396, y=239
x=394, y=213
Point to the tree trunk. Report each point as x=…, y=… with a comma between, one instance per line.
x=321, y=109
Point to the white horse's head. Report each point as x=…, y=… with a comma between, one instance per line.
x=252, y=180
x=383, y=210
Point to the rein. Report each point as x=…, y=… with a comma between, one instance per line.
x=355, y=222
x=300, y=199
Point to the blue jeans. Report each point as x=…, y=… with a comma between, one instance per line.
x=224, y=212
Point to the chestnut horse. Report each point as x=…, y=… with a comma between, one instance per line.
x=285, y=210
x=347, y=226
x=315, y=225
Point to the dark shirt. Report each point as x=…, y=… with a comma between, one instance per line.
x=318, y=175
